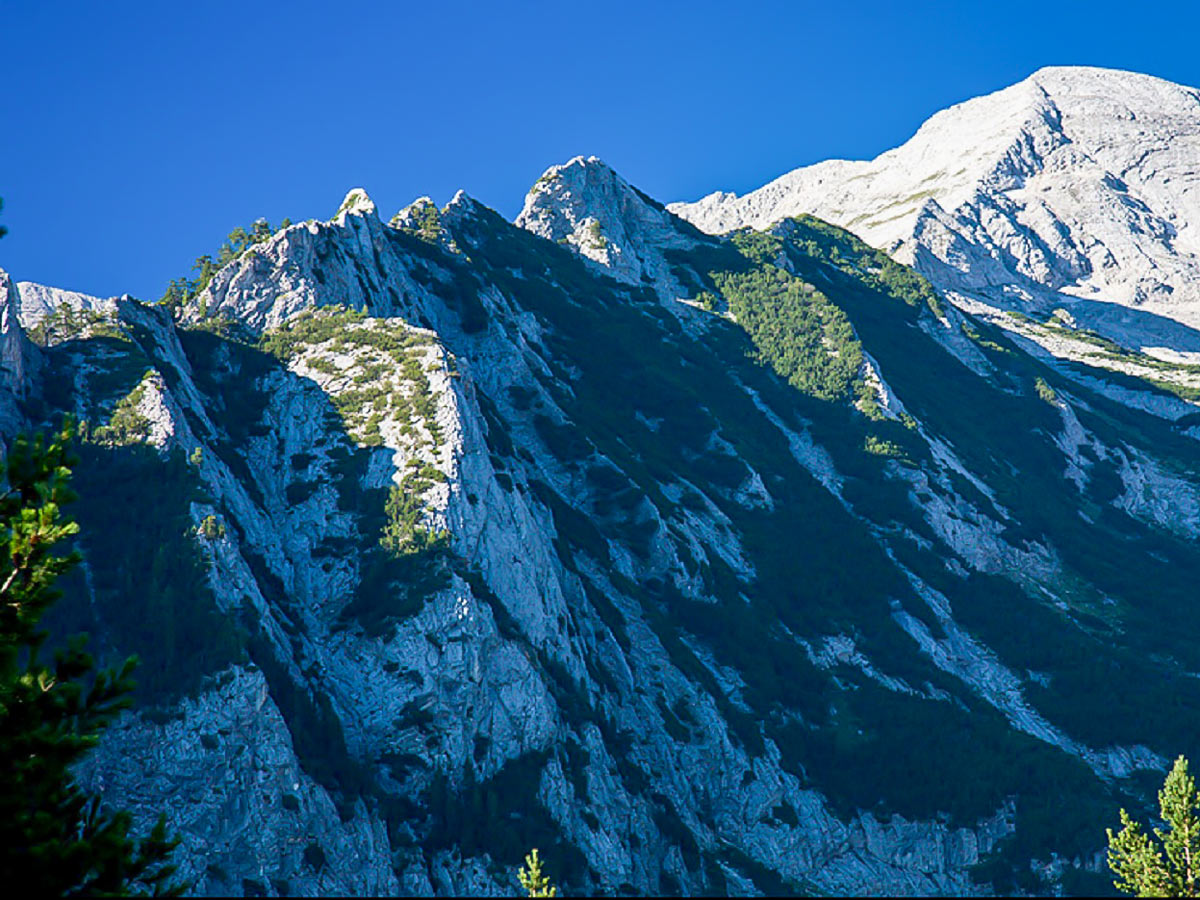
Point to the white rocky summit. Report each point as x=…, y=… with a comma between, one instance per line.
x=1077, y=186
x=585, y=205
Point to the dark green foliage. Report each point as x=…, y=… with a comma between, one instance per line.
x=316, y=326
x=623, y=368
x=126, y=425
x=693, y=266
x=619, y=364
x=813, y=239
x=624, y=361
x=1099, y=688
x=797, y=330
x=181, y=291
x=671, y=418
x=151, y=594
x=1008, y=439
x=427, y=223
x=403, y=535
x=65, y=323
x=401, y=562
x=388, y=372
x=54, y=839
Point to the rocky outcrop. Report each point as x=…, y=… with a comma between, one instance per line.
x=1075, y=187
x=37, y=301
x=18, y=358
x=467, y=538
x=585, y=205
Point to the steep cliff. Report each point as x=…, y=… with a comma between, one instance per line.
x=743, y=564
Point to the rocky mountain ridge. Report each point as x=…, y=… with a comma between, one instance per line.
x=740, y=564
x=248, y=514
x=1076, y=188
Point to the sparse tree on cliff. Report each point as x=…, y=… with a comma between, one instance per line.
x=534, y=880
x=1170, y=865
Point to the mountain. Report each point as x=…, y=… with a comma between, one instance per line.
x=743, y=563
x=1076, y=189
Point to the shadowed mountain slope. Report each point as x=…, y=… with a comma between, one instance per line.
x=702, y=564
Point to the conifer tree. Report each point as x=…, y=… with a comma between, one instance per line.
x=1170, y=866
x=204, y=265
x=238, y=239
x=54, y=839
x=534, y=880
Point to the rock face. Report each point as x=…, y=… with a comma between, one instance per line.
x=742, y=565
x=1078, y=187
x=588, y=207
x=37, y=301
x=18, y=358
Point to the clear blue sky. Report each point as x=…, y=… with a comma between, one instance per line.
x=138, y=134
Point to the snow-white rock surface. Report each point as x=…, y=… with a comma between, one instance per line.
x=585, y=205
x=36, y=301
x=1077, y=184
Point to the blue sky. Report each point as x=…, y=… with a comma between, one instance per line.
x=138, y=134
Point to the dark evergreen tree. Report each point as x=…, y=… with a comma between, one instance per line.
x=238, y=240
x=204, y=266
x=54, y=838
x=174, y=295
